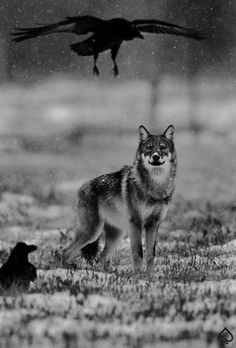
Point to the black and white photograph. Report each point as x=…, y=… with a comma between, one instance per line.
x=117, y=173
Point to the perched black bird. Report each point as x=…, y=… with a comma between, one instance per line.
x=106, y=34
x=18, y=271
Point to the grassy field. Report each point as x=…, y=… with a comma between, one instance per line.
x=193, y=298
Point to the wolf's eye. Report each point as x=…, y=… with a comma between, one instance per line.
x=163, y=147
x=149, y=147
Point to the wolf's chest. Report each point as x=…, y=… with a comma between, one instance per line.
x=157, y=210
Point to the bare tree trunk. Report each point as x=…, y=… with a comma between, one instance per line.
x=154, y=81
x=193, y=94
x=193, y=65
x=153, y=103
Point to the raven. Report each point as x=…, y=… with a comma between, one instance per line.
x=106, y=34
x=18, y=271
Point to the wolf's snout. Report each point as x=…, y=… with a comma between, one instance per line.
x=155, y=157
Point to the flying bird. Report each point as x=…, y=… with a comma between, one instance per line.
x=106, y=34
x=18, y=271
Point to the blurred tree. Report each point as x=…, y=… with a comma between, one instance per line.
x=155, y=77
x=211, y=56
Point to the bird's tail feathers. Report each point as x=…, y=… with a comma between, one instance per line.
x=21, y=34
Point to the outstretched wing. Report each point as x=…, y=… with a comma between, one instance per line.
x=79, y=25
x=161, y=27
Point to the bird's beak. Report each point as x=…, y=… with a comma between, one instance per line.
x=32, y=248
x=140, y=36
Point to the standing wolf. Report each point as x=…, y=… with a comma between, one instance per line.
x=136, y=197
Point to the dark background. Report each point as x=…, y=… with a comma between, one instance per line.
x=165, y=55
x=197, y=77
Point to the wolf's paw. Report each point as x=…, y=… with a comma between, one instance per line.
x=138, y=274
x=107, y=266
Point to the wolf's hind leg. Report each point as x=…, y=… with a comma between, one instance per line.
x=113, y=236
x=136, y=243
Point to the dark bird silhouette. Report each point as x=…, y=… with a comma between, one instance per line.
x=106, y=34
x=18, y=271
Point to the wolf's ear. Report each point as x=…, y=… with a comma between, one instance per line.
x=143, y=133
x=169, y=132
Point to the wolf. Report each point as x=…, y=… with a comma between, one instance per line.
x=135, y=198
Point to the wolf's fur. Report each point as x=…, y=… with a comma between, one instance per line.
x=134, y=198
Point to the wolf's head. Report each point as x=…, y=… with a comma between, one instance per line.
x=156, y=152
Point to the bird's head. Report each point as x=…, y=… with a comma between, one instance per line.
x=22, y=248
x=138, y=34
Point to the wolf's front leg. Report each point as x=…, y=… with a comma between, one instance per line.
x=151, y=228
x=136, y=243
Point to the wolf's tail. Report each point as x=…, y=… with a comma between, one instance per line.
x=89, y=251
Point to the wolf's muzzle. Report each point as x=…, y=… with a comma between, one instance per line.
x=156, y=160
